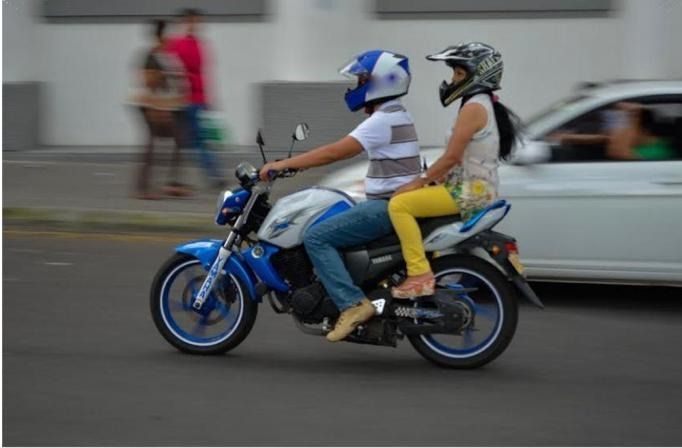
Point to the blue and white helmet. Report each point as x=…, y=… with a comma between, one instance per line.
x=381, y=76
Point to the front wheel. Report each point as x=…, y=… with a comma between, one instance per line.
x=493, y=313
x=223, y=322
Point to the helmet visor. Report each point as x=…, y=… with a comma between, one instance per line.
x=354, y=69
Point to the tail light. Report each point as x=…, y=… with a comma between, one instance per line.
x=512, y=248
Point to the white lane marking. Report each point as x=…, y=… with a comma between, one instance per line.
x=103, y=173
x=25, y=251
x=58, y=263
x=150, y=238
x=29, y=163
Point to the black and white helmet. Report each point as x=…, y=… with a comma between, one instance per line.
x=481, y=61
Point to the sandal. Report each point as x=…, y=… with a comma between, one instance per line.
x=415, y=287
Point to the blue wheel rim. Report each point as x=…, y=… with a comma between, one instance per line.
x=218, y=320
x=488, y=317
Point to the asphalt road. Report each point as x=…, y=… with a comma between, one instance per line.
x=84, y=365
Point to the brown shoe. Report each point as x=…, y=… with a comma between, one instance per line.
x=177, y=191
x=148, y=196
x=349, y=319
x=423, y=285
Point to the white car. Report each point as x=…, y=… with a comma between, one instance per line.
x=578, y=215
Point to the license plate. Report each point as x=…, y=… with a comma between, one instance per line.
x=516, y=262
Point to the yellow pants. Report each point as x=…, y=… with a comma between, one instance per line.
x=427, y=202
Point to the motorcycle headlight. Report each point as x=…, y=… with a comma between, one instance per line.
x=246, y=173
x=222, y=197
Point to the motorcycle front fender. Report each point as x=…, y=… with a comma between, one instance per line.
x=206, y=251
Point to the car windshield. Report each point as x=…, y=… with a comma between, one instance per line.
x=561, y=104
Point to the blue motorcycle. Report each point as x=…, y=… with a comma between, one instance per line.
x=205, y=298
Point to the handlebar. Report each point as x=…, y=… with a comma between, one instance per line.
x=289, y=172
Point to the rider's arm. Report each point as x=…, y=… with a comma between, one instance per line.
x=345, y=148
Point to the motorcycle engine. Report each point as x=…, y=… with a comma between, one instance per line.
x=309, y=300
x=312, y=305
x=294, y=266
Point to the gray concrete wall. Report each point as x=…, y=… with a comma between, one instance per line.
x=113, y=10
x=320, y=104
x=20, y=115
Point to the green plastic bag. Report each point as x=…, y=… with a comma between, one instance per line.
x=212, y=128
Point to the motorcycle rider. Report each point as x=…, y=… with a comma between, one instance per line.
x=389, y=137
x=483, y=133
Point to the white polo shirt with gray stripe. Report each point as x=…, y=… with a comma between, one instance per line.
x=390, y=139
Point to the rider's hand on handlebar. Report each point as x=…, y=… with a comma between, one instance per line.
x=272, y=170
x=269, y=170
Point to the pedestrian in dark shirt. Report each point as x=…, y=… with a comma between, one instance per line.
x=162, y=100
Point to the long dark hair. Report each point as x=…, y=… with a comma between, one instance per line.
x=158, y=28
x=508, y=125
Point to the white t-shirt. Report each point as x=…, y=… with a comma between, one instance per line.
x=390, y=139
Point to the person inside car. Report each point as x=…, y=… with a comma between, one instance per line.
x=484, y=132
x=639, y=139
x=389, y=138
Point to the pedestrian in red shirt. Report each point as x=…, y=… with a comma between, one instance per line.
x=191, y=52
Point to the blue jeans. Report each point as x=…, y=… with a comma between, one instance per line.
x=361, y=224
x=206, y=158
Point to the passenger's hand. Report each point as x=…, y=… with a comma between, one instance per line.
x=414, y=185
x=268, y=168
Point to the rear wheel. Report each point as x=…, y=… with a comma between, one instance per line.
x=224, y=321
x=492, y=308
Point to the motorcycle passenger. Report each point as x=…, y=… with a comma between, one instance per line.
x=389, y=137
x=483, y=132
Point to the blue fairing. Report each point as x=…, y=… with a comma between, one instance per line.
x=206, y=251
x=234, y=204
x=258, y=259
x=335, y=209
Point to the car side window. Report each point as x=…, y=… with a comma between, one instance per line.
x=635, y=129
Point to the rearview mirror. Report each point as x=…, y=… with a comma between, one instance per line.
x=301, y=133
x=532, y=152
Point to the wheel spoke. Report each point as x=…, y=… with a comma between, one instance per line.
x=191, y=282
x=486, y=312
x=222, y=309
x=468, y=337
x=178, y=305
x=200, y=328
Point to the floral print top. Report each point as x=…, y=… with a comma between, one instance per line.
x=474, y=183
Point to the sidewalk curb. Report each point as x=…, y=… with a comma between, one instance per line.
x=106, y=220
